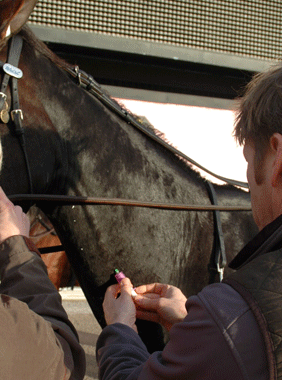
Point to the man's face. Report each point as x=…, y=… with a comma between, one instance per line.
x=261, y=194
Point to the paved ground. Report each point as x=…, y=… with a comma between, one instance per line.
x=88, y=329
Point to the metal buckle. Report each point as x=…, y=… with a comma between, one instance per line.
x=14, y=112
x=3, y=101
x=78, y=73
x=220, y=271
x=4, y=96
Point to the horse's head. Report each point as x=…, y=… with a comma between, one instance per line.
x=13, y=15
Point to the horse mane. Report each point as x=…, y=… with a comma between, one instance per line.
x=42, y=48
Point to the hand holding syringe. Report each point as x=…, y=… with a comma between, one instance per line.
x=119, y=276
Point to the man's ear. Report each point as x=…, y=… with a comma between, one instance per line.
x=276, y=149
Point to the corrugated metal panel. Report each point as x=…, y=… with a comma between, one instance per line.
x=248, y=28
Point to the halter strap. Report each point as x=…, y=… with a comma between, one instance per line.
x=14, y=73
x=13, y=59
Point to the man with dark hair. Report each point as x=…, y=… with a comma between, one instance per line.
x=231, y=330
x=37, y=340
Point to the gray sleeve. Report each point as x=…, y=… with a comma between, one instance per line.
x=24, y=277
x=120, y=353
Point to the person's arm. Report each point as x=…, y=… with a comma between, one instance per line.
x=214, y=340
x=196, y=345
x=120, y=351
x=24, y=277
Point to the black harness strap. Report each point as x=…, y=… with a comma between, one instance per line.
x=218, y=257
x=16, y=112
x=15, y=48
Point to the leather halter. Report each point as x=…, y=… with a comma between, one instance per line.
x=13, y=74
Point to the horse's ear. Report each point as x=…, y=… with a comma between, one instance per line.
x=13, y=15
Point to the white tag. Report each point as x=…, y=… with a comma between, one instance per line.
x=12, y=70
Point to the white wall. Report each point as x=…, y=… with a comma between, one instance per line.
x=204, y=134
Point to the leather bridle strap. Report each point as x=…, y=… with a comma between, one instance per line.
x=14, y=53
x=16, y=112
x=218, y=257
x=15, y=48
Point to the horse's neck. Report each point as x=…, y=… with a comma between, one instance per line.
x=45, y=151
x=106, y=155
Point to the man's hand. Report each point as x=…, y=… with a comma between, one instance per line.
x=13, y=221
x=160, y=303
x=118, y=304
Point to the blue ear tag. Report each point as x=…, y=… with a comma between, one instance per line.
x=12, y=70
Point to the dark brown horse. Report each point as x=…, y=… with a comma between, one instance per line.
x=77, y=146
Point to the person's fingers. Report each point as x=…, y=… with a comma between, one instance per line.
x=4, y=201
x=156, y=288
x=27, y=222
x=112, y=290
x=126, y=286
x=125, y=282
x=148, y=303
x=147, y=316
x=148, y=295
x=143, y=288
x=23, y=220
x=20, y=214
x=2, y=194
x=19, y=211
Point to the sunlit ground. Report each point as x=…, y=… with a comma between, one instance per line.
x=204, y=134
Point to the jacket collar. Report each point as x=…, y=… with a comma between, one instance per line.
x=268, y=239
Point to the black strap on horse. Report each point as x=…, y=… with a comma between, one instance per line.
x=218, y=257
x=11, y=71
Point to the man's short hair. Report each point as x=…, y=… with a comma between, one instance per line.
x=259, y=114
